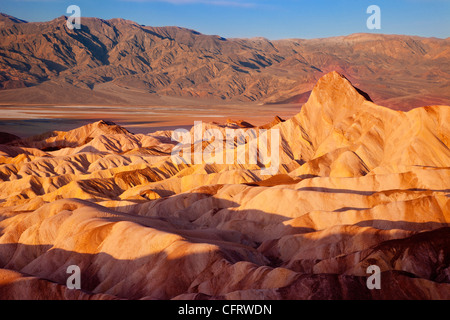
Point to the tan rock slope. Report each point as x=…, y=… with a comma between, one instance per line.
x=358, y=185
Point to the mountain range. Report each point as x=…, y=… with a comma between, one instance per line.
x=119, y=62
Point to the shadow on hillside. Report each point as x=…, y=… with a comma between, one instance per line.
x=368, y=193
x=401, y=225
x=160, y=276
x=154, y=276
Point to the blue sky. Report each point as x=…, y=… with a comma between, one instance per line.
x=273, y=19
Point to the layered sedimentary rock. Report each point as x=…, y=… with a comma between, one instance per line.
x=357, y=185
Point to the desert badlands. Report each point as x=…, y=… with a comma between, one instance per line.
x=357, y=185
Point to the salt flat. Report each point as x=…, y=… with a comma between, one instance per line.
x=31, y=120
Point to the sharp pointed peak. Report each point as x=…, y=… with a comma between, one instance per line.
x=335, y=77
x=335, y=86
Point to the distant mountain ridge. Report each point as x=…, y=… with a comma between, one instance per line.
x=120, y=62
x=357, y=185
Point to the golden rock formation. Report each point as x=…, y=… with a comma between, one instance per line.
x=358, y=185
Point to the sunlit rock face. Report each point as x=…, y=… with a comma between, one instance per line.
x=357, y=185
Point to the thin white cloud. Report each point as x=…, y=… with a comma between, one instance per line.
x=227, y=3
